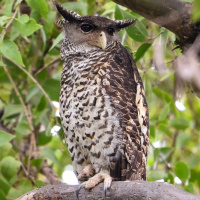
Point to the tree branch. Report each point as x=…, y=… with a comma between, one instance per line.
x=120, y=190
x=175, y=15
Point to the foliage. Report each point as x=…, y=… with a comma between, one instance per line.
x=30, y=71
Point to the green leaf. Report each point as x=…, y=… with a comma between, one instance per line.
x=2, y=195
x=4, y=185
x=2, y=64
x=52, y=88
x=23, y=19
x=195, y=12
x=163, y=114
x=17, y=3
x=163, y=95
x=170, y=178
x=49, y=24
x=42, y=105
x=57, y=40
x=43, y=139
x=152, y=131
x=5, y=137
x=24, y=185
x=22, y=129
x=182, y=170
x=156, y=175
x=3, y=20
x=4, y=150
x=180, y=123
x=39, y=183
x=26, y=26
x=77, y=6
x=165, y=152
x=10, y=50
x=48, y=153
x=189, y=188
x=163, y=127
x=182, y=139
x=138, y=32
x=195, y=161
x=11, y=110
x=40, y=6
x=141, y=51
x=156, y=153
x=9, y=167
x=32, y=92
x=37, y=162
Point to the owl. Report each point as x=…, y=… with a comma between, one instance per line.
x=103, y=108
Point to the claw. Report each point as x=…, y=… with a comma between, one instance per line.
x=105, y=188
x=78, y=190
x=107, y=184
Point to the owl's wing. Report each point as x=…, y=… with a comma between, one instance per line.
x=128, y=96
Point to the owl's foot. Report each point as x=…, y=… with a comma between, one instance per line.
x=96, y=179
x=86, y=173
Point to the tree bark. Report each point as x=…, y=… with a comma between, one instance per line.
x=120, y=190
x=175, y=15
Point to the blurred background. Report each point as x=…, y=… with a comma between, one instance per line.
x=31, y=138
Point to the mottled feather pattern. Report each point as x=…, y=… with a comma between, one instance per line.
x=100, y=112
x=103, y=108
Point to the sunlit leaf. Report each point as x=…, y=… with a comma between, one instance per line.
x=40, y=6
x=182, y=170
x=11, y=109
x=9, y=167
x=152, y=131
x=57, y=40
x=182, y=139
x=180, y=123
x=27, y=26
x=48, y=153
x=10, y=50
x=3, y=20
x=2, y=64
x=5, y=150
x=76, y=6
x=5, y=137
x=163, y=114
x=156, y=175
x=196, y=13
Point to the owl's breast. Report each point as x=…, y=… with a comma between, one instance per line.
x=88, y=116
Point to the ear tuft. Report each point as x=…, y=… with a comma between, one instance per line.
x=121, y=24
x=68, y=15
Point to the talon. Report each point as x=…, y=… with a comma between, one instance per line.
x=78, y=190
x=107, y=184
x=105, y=190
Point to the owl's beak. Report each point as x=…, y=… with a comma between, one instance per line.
x=101, y=41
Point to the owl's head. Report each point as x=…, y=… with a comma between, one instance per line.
x=91, y=31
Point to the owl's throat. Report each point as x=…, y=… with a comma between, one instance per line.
x=72, y=49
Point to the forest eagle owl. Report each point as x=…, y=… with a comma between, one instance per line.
x=103, y=108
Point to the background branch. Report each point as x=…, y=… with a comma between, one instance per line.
x=175, y=15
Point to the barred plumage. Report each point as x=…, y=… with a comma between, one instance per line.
x=102, y=102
